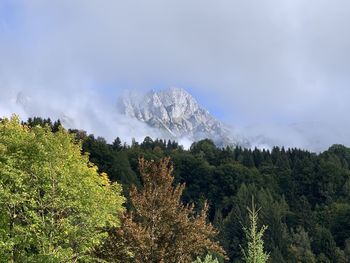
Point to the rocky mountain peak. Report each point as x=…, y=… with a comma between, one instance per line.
x=177, y=114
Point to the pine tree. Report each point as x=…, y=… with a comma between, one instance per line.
x=207, y=259
x=254, y=252
x=300, y=247
x=117, y=144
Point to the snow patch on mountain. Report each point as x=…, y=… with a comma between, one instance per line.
x=177, y=115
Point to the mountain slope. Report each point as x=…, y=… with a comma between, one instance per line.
x=178, y=115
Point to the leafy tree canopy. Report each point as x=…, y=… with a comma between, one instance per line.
x=54, y=204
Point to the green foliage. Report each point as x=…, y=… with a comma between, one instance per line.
x=160, y=228
x=300, y=247
x=304, y=196
x=295, y=188
x=254, y=253
x=207, y=259
x=273, y=214
x=323, y=244
x=53, y=203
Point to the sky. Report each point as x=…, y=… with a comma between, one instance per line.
x=278, y=71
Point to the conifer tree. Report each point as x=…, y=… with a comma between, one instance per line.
x=254, y=253
x=207, y=259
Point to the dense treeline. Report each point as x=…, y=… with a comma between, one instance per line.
x=55, y=206
x=305, y=197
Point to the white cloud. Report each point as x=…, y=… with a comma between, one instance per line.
x=268, y=61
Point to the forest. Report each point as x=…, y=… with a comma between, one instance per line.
x=302, y=198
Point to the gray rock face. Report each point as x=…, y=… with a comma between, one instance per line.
x=178, y=115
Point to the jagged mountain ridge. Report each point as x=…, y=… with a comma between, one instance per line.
x=177, y=114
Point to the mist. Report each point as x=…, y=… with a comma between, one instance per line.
x=278, y=71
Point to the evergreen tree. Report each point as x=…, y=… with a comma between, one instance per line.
x=207, y=259
x=254, y=253
x=300, y=247
x=299, y=190
x=323, y=244
x=117, y=144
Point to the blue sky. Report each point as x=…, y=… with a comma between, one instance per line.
x=8, y=12
x=278, y=70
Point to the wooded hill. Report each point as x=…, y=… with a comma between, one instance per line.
x=304, y=197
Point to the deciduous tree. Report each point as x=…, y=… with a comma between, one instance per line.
x=53, y=203
x=160, y=228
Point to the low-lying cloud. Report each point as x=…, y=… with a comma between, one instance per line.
x=269, y=65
